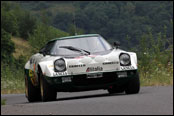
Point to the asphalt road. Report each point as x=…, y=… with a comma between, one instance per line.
x=150, y=101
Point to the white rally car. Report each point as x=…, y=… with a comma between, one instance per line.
x=80, y=63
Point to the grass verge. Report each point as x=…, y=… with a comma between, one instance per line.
x=12, y=86
x=3, y=102
x=12, y=80
x=158, y=77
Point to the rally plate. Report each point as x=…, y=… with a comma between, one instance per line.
x=95, y=75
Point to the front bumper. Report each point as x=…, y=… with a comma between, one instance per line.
x=82, y=83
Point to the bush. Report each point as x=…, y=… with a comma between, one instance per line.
x=9, y=22
x=20, y=62
x=27, y=24
x=7, y=47
x=153, y=53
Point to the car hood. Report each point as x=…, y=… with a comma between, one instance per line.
x=93, y=63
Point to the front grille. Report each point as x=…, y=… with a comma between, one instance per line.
x=82, y=80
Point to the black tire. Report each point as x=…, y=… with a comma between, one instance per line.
x=115, y=89
x=133, y=85
x=32, y=93
x=47, y=92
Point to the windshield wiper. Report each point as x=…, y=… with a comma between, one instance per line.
x=76, y=49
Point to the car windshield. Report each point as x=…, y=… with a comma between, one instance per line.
x=76, y=45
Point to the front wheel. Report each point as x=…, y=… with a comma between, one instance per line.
x=47, y=92
x=32, y=93
x=133, y=86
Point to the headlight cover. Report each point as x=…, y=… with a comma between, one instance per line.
x=125, y=59
x=59, y=65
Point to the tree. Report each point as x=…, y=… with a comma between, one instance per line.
x=27, y=24
x=9, y=22
x=63, y=21
x=7, y=47
x=42, y=34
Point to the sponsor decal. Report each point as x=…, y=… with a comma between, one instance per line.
x=30, y=73
x=33, y=77
x=127, y=67
x=91, y=69
x=60, y=73
x=109, y=63
x=75, y=66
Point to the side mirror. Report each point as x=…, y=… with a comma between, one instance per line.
x=116, y=44
x=42, y=52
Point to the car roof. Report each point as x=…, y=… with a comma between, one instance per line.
x=76, y=36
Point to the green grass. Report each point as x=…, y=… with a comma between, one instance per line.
x=159, y=77
x=12, y=80
x=3, y=101
x=9, y=86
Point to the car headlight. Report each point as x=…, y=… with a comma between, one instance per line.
x=59, y=65
x=125, y=59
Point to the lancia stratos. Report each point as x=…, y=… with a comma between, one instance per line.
x=80, y=63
